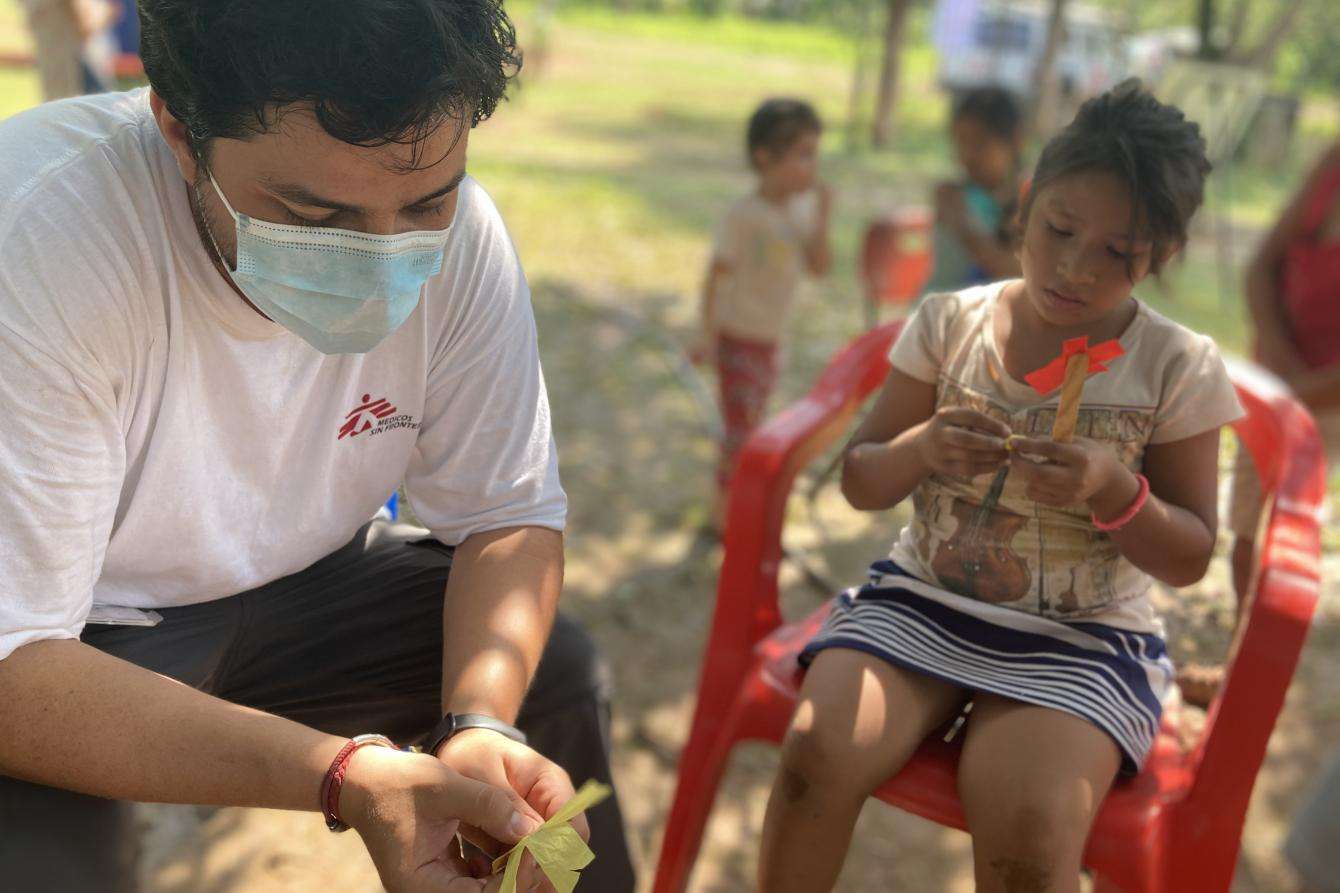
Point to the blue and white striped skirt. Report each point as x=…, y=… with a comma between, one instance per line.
x=1114, y=678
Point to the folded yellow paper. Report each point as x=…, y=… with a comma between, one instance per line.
x=556, y=846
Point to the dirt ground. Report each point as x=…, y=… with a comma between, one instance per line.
x=634, y=435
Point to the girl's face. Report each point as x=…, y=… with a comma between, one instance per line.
x=1078, y=260
x=793, y=170
x=986, y=158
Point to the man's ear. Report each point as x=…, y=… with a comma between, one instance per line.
x=175, y=134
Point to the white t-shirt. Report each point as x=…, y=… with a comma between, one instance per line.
x=164, y=444
x=1000, y=546
x=762, y=243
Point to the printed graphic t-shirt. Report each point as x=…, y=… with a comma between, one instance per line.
x=1002, y=546
x=763, y=244
x=164, y=444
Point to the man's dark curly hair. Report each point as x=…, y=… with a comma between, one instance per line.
x=1150, y=146
x=374, y=71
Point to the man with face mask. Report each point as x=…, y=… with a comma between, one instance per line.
x=236, y=311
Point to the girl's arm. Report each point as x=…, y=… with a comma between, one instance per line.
x=818, y=255
x=1172, y=537
x=904, y=439
x=1274, y=344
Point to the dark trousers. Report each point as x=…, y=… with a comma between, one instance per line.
x=352, y=644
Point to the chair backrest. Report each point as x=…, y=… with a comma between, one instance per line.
x=746, y=608
x=1282, y=439
x=896, y=256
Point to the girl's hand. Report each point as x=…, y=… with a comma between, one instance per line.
x=1083, y=471
x=961, y=442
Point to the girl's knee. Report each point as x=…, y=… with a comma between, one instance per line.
x=818, y=761
x=1029, y=844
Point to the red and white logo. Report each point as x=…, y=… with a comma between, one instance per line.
x=374, y=416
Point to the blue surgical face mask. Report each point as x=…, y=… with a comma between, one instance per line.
x=339, y=290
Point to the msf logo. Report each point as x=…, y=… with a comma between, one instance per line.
x=358, y=421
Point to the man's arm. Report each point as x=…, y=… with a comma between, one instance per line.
x=501, y=597
x=79, y=719
x=76, y=718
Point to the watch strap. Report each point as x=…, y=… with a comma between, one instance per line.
x=454, y=723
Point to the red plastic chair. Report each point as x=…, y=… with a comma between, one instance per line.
x=895, y=260
x=1176, y=826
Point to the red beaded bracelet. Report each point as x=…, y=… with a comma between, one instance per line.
x=1132, y=510
x=334, y=779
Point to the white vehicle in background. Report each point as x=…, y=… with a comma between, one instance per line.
x=1000, y=43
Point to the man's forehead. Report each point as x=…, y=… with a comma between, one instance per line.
x=295, y=130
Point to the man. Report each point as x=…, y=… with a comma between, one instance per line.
x=236, y=311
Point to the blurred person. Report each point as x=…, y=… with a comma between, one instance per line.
x=62, y=32
x=767, y=242
x=237, y=310
x=974, y=238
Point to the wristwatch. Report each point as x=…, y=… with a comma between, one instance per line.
x=455, y=723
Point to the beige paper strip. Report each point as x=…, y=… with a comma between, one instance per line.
x=1067, y=410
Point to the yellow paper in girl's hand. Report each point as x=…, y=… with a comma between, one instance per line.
x=557, y=847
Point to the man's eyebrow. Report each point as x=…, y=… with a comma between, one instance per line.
x=304, y=196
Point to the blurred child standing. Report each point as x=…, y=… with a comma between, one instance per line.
x=768, y=240
x=973, y=239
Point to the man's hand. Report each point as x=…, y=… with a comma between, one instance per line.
x=537, y=787
x=408, y=809
x=961, y=442
x=1083, y=471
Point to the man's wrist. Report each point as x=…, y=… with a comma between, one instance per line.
x=455, y=724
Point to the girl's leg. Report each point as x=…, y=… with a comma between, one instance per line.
x=857, y=722
x=1031, y=780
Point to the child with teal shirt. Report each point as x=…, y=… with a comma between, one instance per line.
x=972, y=241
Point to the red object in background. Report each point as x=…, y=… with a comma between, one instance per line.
x=896, y=258
x=1174, y=827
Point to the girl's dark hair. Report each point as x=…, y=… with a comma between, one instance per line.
x=374, y=71
x=1149, y=146
x=994, y=107
x=778, y=123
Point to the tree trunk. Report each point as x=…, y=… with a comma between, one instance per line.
x=1264, y=53
x=1046, y=87
x=888, y=73
x=1237, y=26
x=1205, y=27
x=856, y=99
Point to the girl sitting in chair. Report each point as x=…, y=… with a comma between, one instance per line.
x=1022, y=582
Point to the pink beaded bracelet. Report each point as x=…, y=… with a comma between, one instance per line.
x=1131, y=511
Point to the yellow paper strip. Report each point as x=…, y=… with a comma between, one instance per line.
x=557, y=847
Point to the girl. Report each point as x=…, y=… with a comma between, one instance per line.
x=1021, y=583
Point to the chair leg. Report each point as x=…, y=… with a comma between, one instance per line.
x=700, y=768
